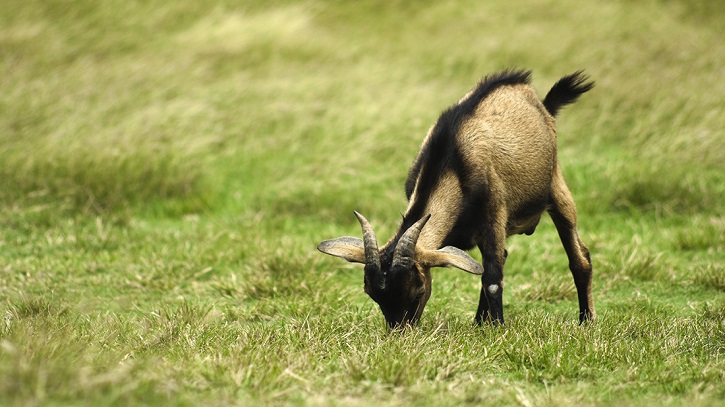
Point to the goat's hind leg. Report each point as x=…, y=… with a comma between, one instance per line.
x=563, y=212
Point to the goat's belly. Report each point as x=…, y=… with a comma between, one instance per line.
x=522, y=226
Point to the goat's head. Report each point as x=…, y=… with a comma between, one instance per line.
x=398, y=278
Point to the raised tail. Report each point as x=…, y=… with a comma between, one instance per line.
x=566, y=91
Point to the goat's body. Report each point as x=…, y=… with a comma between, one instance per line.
x=506, y=157
x=486, y=170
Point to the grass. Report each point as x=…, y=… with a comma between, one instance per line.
x=167, y=170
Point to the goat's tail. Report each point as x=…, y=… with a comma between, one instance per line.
x=566, y=91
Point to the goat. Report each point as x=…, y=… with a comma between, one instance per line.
x=487, y=169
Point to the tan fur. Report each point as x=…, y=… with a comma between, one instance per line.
x=511, y=142
x=443, y=206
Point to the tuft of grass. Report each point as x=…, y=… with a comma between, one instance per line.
x=34, y=307
x=548, y=289
x=710, y=276
x=705, y=236
x=657, y=187
x=643, y=267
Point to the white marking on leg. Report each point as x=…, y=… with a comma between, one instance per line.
x=493, y=288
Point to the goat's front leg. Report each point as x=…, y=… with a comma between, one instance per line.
x=490, y=303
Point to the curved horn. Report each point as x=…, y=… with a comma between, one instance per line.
x=405, y=250
x=372, y=254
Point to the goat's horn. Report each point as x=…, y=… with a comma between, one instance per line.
x=372, y=255
x=405, y=250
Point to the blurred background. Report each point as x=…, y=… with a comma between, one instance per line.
x=294, y=108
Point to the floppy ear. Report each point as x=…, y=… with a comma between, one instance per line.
x=450, y=256
x=349, y=248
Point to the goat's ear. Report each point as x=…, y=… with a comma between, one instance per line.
x=450, y=256
x=349, y=248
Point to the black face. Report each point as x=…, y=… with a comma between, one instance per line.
x=401, y=294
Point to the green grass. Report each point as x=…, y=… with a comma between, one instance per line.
x=167, y=169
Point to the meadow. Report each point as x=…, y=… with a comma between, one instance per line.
x=168, y=168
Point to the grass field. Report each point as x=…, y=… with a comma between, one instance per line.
x=168, y=168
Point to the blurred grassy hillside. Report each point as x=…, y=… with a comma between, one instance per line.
x=296, y=107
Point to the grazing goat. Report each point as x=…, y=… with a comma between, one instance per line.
x=487, y=170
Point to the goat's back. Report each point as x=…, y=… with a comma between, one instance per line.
x=509, y=142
